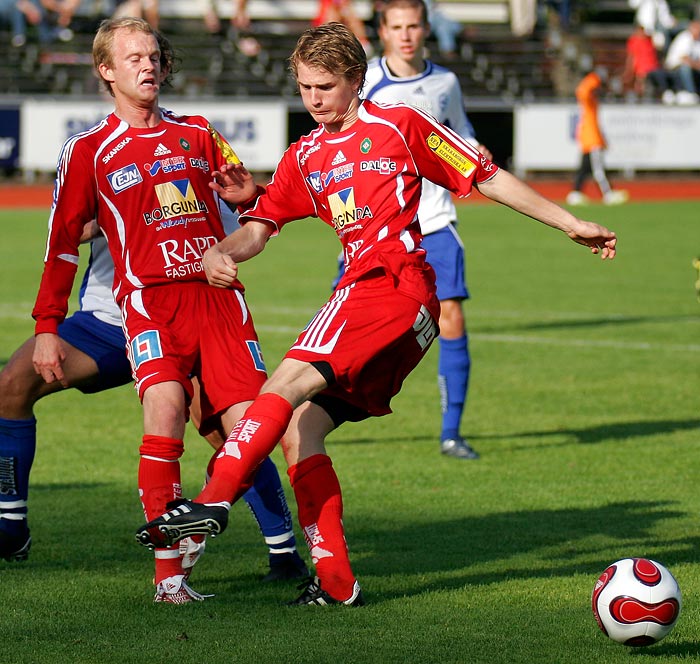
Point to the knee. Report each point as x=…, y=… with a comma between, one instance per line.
x=452, y=323
x=18, y=393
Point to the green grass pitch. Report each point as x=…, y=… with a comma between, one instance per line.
x=584, y=404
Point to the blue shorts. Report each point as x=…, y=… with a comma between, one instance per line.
x=104, y=343
x=446, y=255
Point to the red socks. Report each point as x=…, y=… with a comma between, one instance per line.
x=252, y=439
x=159, y=483
x=320, y=511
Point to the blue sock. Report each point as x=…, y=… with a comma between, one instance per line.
x=17, y=447
x=268, y=504
x=453, y=380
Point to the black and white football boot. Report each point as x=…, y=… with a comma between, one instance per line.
x=183, y=519
x=313, y=594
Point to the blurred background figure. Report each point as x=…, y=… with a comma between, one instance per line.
x=50, y=19
x=657, y=20
x=343, y=11
x=563, y=10
x=146, y=9
x=683, y=64
x=240, y=28
x=592, y=145
x=523, y=17
x=445, y=30
x=59, y=15
x=643, y=69
x=16, y=16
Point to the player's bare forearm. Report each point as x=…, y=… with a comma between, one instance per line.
x=221, y=261
x=507, y=189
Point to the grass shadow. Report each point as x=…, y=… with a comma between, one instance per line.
x=557, y=542
x=605, y=432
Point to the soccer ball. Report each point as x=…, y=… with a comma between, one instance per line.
x=636, y=601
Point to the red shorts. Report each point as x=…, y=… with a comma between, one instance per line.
x=371, y=336
x=175, y=331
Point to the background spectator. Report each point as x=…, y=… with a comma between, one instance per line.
x=50, y=18
x=445, y=30
x=343, y=11
x=146, y=9
x=592, y=144
x=683, y=63
x=16, y=15
x=642, y=66
x=240, y=28
x=523, y=16
x=656, y=18
x=59, y=13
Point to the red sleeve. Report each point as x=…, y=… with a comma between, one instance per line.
x=287, y=196
x=74, y=205
x=443, y=156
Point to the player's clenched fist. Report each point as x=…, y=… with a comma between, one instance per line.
x=220, y=268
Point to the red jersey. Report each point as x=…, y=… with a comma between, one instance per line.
x=365, y=182
x=149, y=191
x=641, y=49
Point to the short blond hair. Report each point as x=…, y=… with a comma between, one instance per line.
x=333, y=48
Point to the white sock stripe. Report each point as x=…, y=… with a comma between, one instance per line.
x=167, y=554
x=279, y=539
x=10, y=516
x=12, y=505
x=291, y=549
x=152, y=458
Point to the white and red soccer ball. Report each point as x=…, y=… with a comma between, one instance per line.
x=636, y=601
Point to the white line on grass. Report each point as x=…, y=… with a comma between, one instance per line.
x=543, y=341
x=586, y=343
x=22, y=312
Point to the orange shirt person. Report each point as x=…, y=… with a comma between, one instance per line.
x=588, y=132
x=592, y=144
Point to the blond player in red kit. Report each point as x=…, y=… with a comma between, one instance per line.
x=146, y=176
x=360, y=172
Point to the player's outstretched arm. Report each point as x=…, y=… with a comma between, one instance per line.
x=505, y=188
x=221, y=261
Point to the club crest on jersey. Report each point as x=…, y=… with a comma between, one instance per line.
x=146, y=346
x=344, y=211
x=124, y=178
x=176, y=198
x=450, y=155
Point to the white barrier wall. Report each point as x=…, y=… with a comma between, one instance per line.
x=640, y=137
x=257, y=131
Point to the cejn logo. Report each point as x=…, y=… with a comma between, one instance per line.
x=124, y=178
